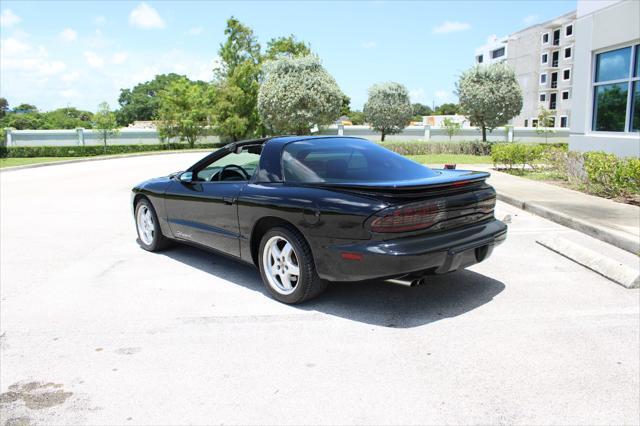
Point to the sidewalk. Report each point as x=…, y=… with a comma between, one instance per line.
x=615, y=223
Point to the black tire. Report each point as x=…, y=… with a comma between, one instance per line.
x=309, y=284
x=159, y=241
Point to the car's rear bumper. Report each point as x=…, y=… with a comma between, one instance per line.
x=410, y=256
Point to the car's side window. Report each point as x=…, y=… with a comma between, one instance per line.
x=232, y=167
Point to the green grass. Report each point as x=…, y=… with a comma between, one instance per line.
x=11, y=162
x=451, y=159
x=540, y=175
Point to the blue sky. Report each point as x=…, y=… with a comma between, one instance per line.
x=55, y=54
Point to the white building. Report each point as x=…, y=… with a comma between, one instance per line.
x=541, y=56
x=606, y=80
x=494, y=51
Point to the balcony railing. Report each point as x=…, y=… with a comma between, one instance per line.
x=554, y=63
x=552, y=105
x=556, y=42
x=554, y=84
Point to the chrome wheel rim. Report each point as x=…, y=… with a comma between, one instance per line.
x=280, y=264
x=146, y=226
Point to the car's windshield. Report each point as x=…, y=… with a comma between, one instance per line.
x=344, y=160
x=232, y=167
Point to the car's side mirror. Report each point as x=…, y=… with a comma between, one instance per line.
x=186, y=177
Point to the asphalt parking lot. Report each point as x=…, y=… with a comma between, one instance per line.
x=95, y=330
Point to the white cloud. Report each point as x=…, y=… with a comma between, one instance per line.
x=146, y=17
x=70, y=76
x=194, y=31
x=13, y=46
x=369, y=44
x=450, y=27
x=531, y=19
x=70, y=93
x=119, y=57
x=417, y=95
x=68, y=35
x=442, y=95
x=93, y=59
x=8, y=18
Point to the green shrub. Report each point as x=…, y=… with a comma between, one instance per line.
x=611, y=176
x=91, y=150
x=511, y=155
x=424, y=148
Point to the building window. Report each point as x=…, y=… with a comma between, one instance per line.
x=567, y=52
x=556, y=38
x=545, y=58
x=565, y=95
x=534, y=123
x=497, y=53
x=526, y=122
x=568, y=31
x=543, y=97
x=543, y=78
x=616, y=95
x=479, y=59
x=566, y=74
x=564, y=121
x=545, y=38
x=552, y=122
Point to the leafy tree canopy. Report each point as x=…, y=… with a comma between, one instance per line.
x=240, y=46
x=142, y=102
x=447, y=109
x=104, y=123
x=4, y=107
x=288, y=47
x=26, y=108
x=298, y=93
x=419, y=109
x=184, y=110
x=489, y=95
x=388, y=108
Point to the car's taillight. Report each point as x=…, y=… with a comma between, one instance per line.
x=425, y=214
x=410, y=218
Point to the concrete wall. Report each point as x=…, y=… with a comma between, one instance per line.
x=411, y=133
x=611, y=26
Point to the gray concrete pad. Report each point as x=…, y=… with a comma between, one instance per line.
x=94, y=330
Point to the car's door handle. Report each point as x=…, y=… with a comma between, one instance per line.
x=229, y=200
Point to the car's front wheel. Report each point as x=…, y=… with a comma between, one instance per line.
x=287, y=267
x=149, y=234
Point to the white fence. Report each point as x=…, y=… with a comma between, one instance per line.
x=79, y=137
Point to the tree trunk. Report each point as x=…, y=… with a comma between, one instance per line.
x=484, y=133
x=382, y=138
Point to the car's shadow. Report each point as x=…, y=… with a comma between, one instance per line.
x=378, y=303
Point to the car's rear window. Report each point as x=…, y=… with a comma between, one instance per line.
x=345, y=160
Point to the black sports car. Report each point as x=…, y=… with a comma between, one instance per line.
x=308, y=210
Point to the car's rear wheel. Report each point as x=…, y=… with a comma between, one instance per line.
x=287, y=267
x=149, y=234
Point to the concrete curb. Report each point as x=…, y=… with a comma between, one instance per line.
x=100, y=158
x=617, y=239
x=608, y=268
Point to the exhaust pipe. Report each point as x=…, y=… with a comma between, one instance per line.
x=407, y=283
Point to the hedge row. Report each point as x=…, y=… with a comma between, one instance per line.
x=598, y=173
x=424, y=148
x=92, y=150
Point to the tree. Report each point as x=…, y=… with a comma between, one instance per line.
x=298, y=93
x=287, y=47
x=356, y=117
x=545, y=123
x=104, y=123
x=447, y=109
x=345, y=107
x=241, y=46
x=388, y=108
x=452, y=127
x=68, y=118
x=237, y=83
x=419, y=110
x=4, y=107
x=184, y=110
x=489, y=96
x=142, y=102
x=235, y=115
x=25, y=108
